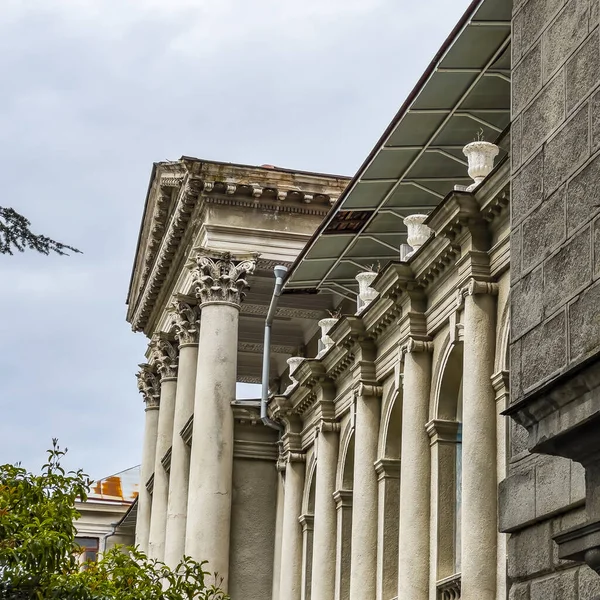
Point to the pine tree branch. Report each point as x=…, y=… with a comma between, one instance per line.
x=15, y=233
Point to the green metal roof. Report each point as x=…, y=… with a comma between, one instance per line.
x=419, y=158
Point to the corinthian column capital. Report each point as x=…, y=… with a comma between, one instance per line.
x=185, y=318
x=473, y=287
x=149, y=385
x=220, y=277
x=165, y=355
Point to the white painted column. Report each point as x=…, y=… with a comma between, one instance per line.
x=220, y=283
x=149, y=386
x=165, y=355
x=343, y=543
x=324, y=537
x=278, y=529
x=307, y=523
x=388, y=521
x=291, y=535
x=363, y=572
x=413, y=554
x=185, y=318
x=479, y=491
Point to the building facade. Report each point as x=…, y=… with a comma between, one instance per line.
x=418, y=381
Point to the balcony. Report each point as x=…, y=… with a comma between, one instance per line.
x=449, y=588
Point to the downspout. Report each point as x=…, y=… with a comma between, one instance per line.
x=280, y=272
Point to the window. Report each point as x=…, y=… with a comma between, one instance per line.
x=89, y=549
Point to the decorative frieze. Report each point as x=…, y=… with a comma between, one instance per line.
x=185, y=319
x=221, y=277
x=165, y=357
x=149, y=385
x=473, y=287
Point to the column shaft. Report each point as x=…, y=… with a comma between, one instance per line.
x=323, y=570
x=211, y=466
x=278, y=535
x=479, y=543
x=413, y=556
x=363, y=573
x=160, y=491
x=291, y=538
x=180, y=457
x=142, y=526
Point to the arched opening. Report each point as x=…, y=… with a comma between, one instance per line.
x=343, y=503
x=388, y=475
x=445, y=430
x=307, y=522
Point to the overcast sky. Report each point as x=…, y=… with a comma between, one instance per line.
x=95, y=91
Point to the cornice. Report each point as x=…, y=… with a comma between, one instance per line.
x=165, y=461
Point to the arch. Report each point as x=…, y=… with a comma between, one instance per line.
x=345, y=470
x=447, y=381
x=390, y=429
x=308, y=496
x=502, y=360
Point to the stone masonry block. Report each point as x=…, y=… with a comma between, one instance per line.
x=544, y=116
x=516, y=238
x=566, y=151
x=583, y=196
x=596, y=242
x=577, y=482
x=566, y=32
x=529, y=551
x=518, y=439
x=519, y=591
x=527, y=308
x=595, y=106
x=562, y=586
x=589, y=583
x=544, y=230
x=516, y=500
x=527, y=79
x=515, y=143
x=534, y=17
x=567, y=271
x=584, y=323
x=583, y=71
x=594, y=13
x=527, y=189
x=545, y=350
x=552, y=485
x=515, y=374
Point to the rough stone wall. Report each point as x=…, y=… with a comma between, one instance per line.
x=555, y=295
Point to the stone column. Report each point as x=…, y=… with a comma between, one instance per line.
x=413, y=556
x=323, y=569
x=307, y=522
x=185, y=321
x=219, y=284
x=343, y=543
x=479, y=484
x=278, y=529
x=363, y=573
x=388, y=521
x=291, y=535
x=164, y=355
x=149, y=386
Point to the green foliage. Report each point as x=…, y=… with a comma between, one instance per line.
x=39, y=557
x=15, y=233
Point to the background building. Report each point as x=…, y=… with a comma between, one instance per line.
x=374, y=473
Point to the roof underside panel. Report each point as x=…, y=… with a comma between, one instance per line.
x=465, y=95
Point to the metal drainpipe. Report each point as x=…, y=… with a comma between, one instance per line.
x=280, y=272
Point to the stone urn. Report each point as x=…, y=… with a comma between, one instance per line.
x=481, y=157
x=326, y=325
x=418, y=232
x=365, y=292
x=294, y=363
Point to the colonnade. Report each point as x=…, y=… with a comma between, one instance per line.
x=329, y=571
x=184, y=504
